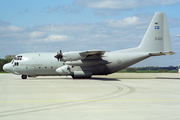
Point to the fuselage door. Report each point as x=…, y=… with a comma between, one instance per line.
x=32, y=69
x=16, y=68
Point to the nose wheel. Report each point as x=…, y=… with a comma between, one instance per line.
x=24, y=76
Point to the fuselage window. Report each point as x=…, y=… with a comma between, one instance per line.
x=16, y=64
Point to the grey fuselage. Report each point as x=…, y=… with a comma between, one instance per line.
x=44, y=64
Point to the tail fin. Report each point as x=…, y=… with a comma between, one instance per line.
x=157, y=38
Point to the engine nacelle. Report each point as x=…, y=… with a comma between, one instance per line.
x=72, y=56
x=63, y=70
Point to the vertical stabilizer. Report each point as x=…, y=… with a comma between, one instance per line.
x=157, y=38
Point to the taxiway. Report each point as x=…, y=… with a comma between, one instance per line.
x=117, y=96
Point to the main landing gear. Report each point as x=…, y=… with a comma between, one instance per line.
x=81, y=77
x=24, y=76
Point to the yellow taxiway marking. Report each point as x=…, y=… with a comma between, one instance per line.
x=91, y=101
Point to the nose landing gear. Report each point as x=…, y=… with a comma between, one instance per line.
x=24, y=76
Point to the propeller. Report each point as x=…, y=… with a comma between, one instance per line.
x=59, y=56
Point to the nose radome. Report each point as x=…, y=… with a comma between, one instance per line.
x=8, y=68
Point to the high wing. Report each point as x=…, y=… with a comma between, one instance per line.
x=88, y=58
x=79, y=55
x=92, y=54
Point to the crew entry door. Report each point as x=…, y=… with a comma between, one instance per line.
x=16, y=67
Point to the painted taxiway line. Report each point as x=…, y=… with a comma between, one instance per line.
x=91, y=101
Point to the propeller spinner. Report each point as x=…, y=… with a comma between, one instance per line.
x=59, y=56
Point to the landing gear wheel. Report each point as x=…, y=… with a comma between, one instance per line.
x=88, y=77
x=73, y=77
x=24, y=76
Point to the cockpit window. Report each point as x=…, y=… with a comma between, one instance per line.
x=18, y=58
x=12, y=61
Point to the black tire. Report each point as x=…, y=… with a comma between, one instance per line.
x=24, y=76
x=89, y=77
x=73, y=77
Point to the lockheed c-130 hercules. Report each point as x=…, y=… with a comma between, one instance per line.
x=84, y=64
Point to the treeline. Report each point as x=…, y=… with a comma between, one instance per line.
x=157, y=68
x=2, y=62
x=151, y=69
x=7, y=59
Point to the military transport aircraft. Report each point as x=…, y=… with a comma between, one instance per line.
x=84, y=64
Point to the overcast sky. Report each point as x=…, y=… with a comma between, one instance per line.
x=48, y=25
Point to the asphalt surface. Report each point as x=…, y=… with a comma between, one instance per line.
x=114, y=97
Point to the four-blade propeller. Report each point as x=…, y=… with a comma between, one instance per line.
x=59, y=56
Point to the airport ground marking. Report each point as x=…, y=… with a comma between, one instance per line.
x=91, y=101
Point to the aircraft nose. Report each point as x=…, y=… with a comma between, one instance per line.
x=8, y=68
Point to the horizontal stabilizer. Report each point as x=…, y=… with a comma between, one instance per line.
x=162, y=53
